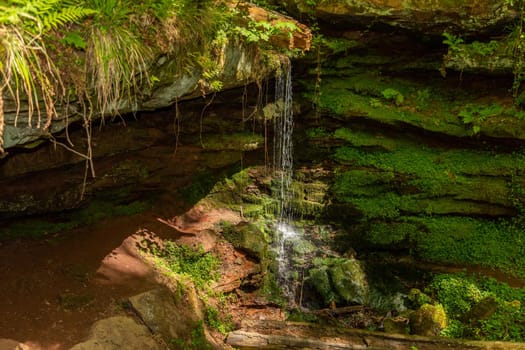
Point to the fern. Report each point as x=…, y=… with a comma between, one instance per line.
x=66, y=15
x=26, y=70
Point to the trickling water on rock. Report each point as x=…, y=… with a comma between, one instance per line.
x=283, y=145
x=283, y=165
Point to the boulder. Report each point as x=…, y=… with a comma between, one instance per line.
x=340, y=280
x=119, y=332
x=482, y=310
x=248, y=238
x=174, y=316
x=428, y=320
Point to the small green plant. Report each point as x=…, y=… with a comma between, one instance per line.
x=452, y=41
x=115, y=76
x=422, y=99
x=75, y=40
x=393, y=95
x=218, y=322
x=474, y=114
x=484, y=49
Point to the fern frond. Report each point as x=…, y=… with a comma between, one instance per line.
x=71, y=14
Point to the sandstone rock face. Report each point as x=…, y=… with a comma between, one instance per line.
x=9, y=344
x=428, y=16
x=173, y=317
x=237, y=69
x=237, y=65
x=119, y=332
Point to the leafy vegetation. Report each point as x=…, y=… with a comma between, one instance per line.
x=218, y=321
x=182, y=260
x=26, y=69
x=480, y=307
x=101, y=51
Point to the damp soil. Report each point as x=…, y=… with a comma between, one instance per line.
x=54, y=289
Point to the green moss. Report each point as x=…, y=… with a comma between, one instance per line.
x=317, y=133
x=270, y=288
x=355, y=91
x=359, y=138
x=182, y=260
x=247, y=237
x=382, y=233
x=339, y=280
x=196, y=342
x=235, y=141
x=477, y=179
x=218, y=321
x=462, y=240
x=320, y=279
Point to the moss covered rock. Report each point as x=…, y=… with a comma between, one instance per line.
x=428, y=320
x=248, y=238
x=340, y=280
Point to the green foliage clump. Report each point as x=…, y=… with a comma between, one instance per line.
x=417, y=298
x=456, y=293
x=26, y=69
x=200, y=267
x=462, y=296
x=474, y=114
x=393, y=95
x=216, y=321
x=317, y=133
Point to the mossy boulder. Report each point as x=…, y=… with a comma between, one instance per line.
x=482, y=310
x=247, y=237
x=428, y=320
x=340, y=280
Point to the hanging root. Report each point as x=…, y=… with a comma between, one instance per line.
x=1, y=123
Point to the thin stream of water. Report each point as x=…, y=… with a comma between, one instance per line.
x=283, y=165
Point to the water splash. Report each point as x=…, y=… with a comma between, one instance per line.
x=283, y=165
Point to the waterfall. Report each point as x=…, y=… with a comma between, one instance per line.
x=283, y=166
x=283, y=146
